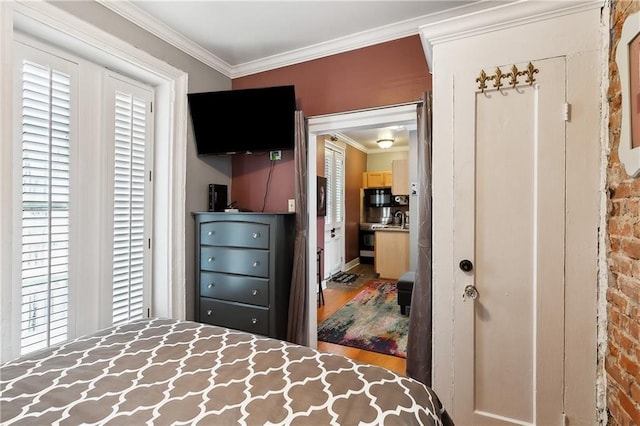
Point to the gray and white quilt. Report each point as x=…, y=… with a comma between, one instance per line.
x=160, y=371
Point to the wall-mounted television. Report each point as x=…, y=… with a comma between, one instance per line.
x=244, y=120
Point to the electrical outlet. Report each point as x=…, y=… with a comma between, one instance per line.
x=292, y=205
x=275, y=155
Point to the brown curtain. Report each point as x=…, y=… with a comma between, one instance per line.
x=297, y=328
x=419, y=338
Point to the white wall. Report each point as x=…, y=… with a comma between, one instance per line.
x=381, y=161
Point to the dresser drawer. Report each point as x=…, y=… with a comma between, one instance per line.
x=238, y=288
x=235, y=315
x=235, y=234
x=235, y=261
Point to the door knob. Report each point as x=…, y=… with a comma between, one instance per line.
x=470, y=292
x=466, y=265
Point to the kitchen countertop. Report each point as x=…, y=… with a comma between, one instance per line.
x=388, y=228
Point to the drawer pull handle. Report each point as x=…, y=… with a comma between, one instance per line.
x=211, y=259
x=210, y=233
x=210, y=285
x=256, y=235
x=254, y=320
x=209, y=312
x=254, y=292
x=256, y=263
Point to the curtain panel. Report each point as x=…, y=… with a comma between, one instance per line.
x=297, y=327
x=420, y=320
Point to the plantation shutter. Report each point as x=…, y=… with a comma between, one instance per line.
x=338, y=164
x=131, y=204
x=46, y=128
x=328, y=174
x=334, y=172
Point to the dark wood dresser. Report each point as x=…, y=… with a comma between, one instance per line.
x=243, y=270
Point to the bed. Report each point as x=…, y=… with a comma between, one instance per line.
x=159, y=371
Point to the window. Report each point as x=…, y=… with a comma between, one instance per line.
x=81, y=239
x=45, y=21
x=333, y=171
x=131, y=197
x=46, y=130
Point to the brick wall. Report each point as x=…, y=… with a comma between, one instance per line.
x=622, y=362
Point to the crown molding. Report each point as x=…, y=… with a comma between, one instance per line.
x=382, y=34
x=355, y=41
x=149, y=23
x=349, y=141
x=500, y=17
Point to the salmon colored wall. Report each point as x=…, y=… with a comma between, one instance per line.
x=250, y=182
x=385, y=74
x=389, y=73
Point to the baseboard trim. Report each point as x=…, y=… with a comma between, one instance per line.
x=352, y=264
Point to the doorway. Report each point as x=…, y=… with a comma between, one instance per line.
x=401, y=115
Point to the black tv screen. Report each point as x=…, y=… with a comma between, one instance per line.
x=245, y=120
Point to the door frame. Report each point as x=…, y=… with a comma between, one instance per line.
x=404, y=114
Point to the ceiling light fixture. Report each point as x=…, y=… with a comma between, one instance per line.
x=384, y=143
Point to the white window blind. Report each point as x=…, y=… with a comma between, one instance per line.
x=338, y=165
x=46, y=112
x=328, y=174
x=84, y=200
x=334, y=172
x=131, y=204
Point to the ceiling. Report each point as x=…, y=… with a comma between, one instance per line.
x=365, y=139
x=244, y=37
x=244, y=31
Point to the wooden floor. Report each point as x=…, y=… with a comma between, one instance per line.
x=334, y=300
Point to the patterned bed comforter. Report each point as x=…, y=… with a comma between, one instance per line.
x=180, y=372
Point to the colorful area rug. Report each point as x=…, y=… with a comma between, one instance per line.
x=370, y=321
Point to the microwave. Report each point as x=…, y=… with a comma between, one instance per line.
x=377, y=197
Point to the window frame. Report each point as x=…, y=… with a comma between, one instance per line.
x=91, y=185
x=48, y=22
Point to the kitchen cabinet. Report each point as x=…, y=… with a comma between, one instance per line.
x=391, y=255
x=400, y=177
x=243, y=270
x=376, y=179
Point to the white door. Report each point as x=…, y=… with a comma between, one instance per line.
x=509, y=195
x=333, y=221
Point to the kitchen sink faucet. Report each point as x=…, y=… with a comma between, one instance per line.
x=400, y=214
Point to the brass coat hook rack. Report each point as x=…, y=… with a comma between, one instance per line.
x=513, y=76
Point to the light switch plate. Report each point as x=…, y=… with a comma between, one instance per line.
x=292, y=205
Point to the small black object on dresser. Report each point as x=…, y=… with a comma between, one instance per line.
x=243, y=270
